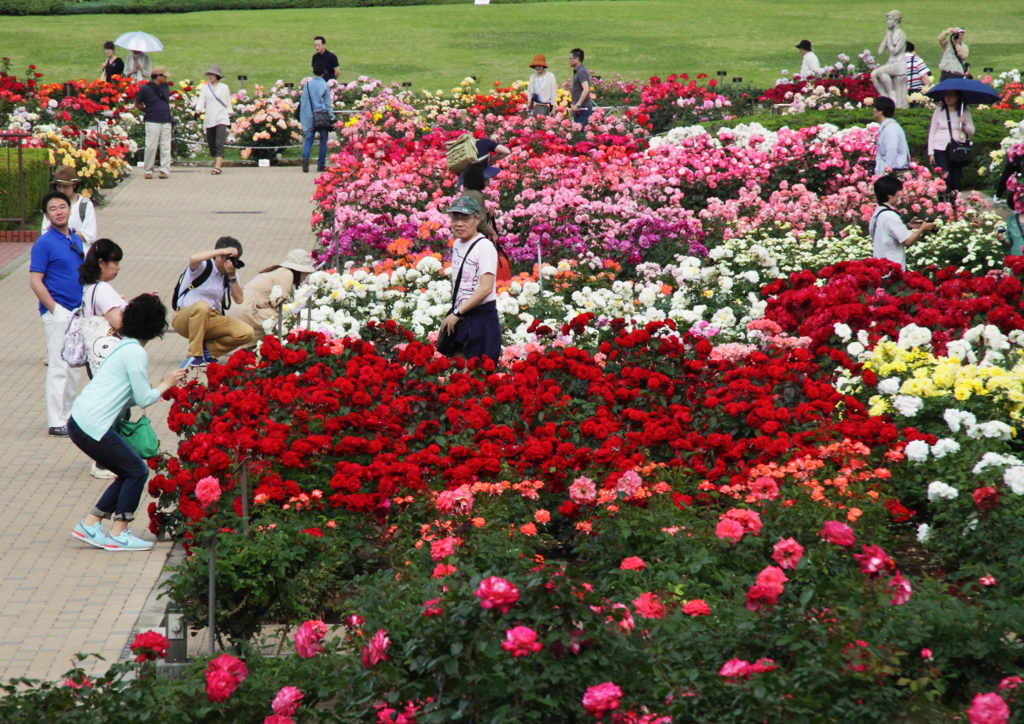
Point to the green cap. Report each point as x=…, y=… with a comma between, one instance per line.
x=465, y=205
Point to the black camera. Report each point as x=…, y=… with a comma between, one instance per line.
x=237, y=263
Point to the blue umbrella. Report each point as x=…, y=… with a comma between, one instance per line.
x=974, y=91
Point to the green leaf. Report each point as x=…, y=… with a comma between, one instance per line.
x=806, y=596
x=456, y=648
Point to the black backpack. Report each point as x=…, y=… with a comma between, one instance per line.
x=197, y=282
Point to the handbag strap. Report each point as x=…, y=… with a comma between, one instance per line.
x=949, y=124
x=215, y=96
x=458, y=278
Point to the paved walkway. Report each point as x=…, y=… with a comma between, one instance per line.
x=58, y=596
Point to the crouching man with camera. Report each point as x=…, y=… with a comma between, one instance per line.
x=203, y=292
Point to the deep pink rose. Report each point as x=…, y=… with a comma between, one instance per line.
x=602, y=698
x=735, y=669
x=760, y=596
x=433, y=607
x=648, y=606
x=764, y=488
x=729, y=529
x=901, y=589
x=277, y=719
x=442, y=548
x=375, y=652
x=773, y=578
x=629, y=483
x=521, y=641
x=787, y=553
x=219, y=685
x=839, y=534
x=497, y=593
x=286, y=703
x=459, y=500
x=873, y=560
x=308, y=638
x=988, y=709
x=762, y=665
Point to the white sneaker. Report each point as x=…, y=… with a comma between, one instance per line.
x=101, y=473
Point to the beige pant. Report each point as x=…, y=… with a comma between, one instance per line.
x=205, y=327
x=158, y=135
x=61, y=380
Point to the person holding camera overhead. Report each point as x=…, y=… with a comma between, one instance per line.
x=204, y=291
x=953, y=63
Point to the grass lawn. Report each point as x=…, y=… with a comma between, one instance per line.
x=436, y=46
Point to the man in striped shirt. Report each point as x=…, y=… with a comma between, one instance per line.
x=918, y=74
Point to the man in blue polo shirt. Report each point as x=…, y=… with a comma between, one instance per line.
x=53, y=277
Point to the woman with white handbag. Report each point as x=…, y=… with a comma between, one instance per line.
x=101, y=310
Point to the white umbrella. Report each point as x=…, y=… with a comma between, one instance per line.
x=139, y=40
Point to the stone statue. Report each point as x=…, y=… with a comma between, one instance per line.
x=891, y=79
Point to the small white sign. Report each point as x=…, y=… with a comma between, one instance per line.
x=264, y=163
x=481, y=2
x=141, y=164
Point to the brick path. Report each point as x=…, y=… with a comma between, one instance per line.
x=59, y=596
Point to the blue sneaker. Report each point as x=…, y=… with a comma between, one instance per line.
x=91, y=534
x=127, y=542
x=208, y=357
x=191, y=362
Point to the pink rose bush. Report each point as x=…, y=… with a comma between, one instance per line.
x=309, y=637
x=521, y=641
x=495, y=592
x=602, y=698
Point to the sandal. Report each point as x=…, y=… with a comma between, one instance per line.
x=215, y=171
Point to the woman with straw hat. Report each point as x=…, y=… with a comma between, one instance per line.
x=214, y=101
x=542, y=88
x=261, y=301
x=83, y=214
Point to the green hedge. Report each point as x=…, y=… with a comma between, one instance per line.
x=37, y=183
x=989, y=124
x=59, y=7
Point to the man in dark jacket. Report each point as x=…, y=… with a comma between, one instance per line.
x=154, y=100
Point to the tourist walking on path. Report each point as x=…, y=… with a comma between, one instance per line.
x=918, y=74
x=329, y=66
x=315, y=98
x=154, y=99
x=953, y=63
x=889, y=235
x=582, y=103
x=207, y=287
x=139, y=66
x=473, y=319
x=259, y=302
x=951, y=121
x=82, y=219
x=891, y=150
x=53, y=277
x=113, y=67
x=214, y=101
x=810, y=68
x=121, y=382
x=542, y=88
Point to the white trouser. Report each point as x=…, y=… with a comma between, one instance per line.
x=158, y=134
x=61, y=380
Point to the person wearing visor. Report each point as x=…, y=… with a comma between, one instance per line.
x=473, y=319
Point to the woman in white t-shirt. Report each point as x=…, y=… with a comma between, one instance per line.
x=101, y=266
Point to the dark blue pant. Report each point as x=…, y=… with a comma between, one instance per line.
x=308, y=147
x=582, y=116
x=954, y=174
x=113, y=452
x=479, y=331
